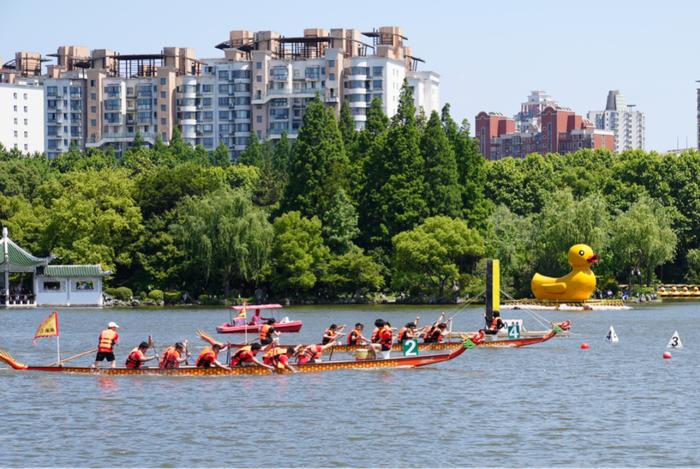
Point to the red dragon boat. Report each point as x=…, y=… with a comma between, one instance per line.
x=398, y=362
x=235, y=327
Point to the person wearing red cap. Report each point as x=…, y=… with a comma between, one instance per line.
x=105, y=348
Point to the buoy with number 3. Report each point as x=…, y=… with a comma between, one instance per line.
x=667, y=355
x=584, y=346
x=612, y=336
x=675, y=341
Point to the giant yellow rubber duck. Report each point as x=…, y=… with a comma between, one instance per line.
x=577, y=285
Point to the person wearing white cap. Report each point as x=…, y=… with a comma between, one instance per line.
x=105, y=348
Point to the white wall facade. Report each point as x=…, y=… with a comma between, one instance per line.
x=627, y=126
x=69, y=291
x=64, y=115
x=22, y=116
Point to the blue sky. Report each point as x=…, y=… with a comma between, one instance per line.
x=489, y=54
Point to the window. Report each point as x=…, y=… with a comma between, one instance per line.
x=93, y=96
x=258, y=119
x=163, y=121
x=92, y=85
x=377, y=84
x=15, y=133
x=26, y=134
x=51, y=285
x=223, y=115
x=331, y=77
x=93, y=122
x=24, y=96
x=51, y=90
x=83, y=285
x=26, y=147
x=26, y=121
x=312, y=73
x=14, y=95
x=258, y=78
x=163, y=81
x=377, y=71
x=14, y=108
x=223, y=74
x=279, y=73
x=331, y=64
x=206, y=88
x=163, y=107
x=162, y=94
x=258, y=65
x=93, y=109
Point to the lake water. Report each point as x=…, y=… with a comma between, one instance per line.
x=551, y=404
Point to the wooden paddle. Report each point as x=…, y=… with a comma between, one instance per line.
x=74, y=357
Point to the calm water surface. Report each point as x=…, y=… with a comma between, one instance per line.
x=547, y=405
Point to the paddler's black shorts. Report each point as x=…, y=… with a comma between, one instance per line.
x=109, y=356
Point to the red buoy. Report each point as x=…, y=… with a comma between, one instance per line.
x=667, y=355
x=584, y=346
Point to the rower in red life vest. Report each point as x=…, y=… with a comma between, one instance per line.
x=407, y=332
x=435, y=334
x=495, y=325
x=137, y=357
x=385, y=338
x=355, y=336
x=332, y=333
x=209, y=357
x=278, y=357
x=245, y=356
x=105, y=348
x=268, y=333
x=312, y=353
x=173, y=356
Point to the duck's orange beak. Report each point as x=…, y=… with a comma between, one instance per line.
x=593, y=259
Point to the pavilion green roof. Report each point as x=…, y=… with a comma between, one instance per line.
x=75, y=271
x=14, y=255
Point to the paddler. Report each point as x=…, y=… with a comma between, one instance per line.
x=435, y=334
x=268, y=332
x=495, y=325
x=137, y=357
x=245, y=356
x=407, y=332
x=378, y=326
x=278, y=357
x=385, y=338
x=332, y=333
x=355, y=336
x=173, y=356
x=106, y=342
x=209, y=357
x=312, y=353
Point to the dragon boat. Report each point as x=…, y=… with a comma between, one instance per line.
x=398, y=362
x=239, y=326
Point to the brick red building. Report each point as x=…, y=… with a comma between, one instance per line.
x=562, y=131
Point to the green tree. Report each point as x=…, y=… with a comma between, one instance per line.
x=320, y=166
x=252, y=155
x=352, y=274
x=220, y=156
x=393, y=198
x=346, y=125
x=299, y=255
x=642, y=238
x=224, y=237
x=430, y=258
x=340, y=223
x=442, y=191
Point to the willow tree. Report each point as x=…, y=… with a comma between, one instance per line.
x=224, y=237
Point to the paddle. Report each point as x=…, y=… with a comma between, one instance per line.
x=74, y=357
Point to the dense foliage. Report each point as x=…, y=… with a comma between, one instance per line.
x=406, y=207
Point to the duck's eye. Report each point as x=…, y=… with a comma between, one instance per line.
x=581, y=252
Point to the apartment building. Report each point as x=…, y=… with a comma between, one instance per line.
x=22, y=115
x=626, y=123
x=97, y=98
x=528, y=119
x=560, y=131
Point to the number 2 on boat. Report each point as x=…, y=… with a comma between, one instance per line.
x=410, y=348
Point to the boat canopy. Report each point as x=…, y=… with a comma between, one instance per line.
x=249, y=307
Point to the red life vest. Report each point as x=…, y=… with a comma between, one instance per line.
x=375, y=335
x=242, y=355
x=207, y=358
x=354, y=337
x=328, y=336
x=171, y=358
x=404, y=333
x=385, y=337
x=135, y=359
x=314, y=352
x=273, y=356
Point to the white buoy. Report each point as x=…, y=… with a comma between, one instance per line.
x=675, y=341
x=612, y=336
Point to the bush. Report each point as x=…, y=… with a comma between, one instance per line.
x=156, y=295
x=111, y=292
x=124, y=293
x=142, y=295
x=172, y=297
x=205, y=299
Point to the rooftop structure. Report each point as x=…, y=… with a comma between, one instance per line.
x=626, y=123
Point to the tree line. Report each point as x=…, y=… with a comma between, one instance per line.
x=406, y=207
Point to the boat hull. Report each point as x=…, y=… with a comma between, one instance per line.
x=228, y=328
x=399, y=362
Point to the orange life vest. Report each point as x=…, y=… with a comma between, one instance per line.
x=171, y=358
x=265, y=332
x=385, y=337
x=135, y=359
x=206, y=358
x=236, y=358
x=404, y=333
x=314, y=352
x=108, y=338
x=272, y=356
x=494, y=324
x=375, y=335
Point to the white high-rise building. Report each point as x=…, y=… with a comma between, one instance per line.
x=22, y=116
x=626, y=123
